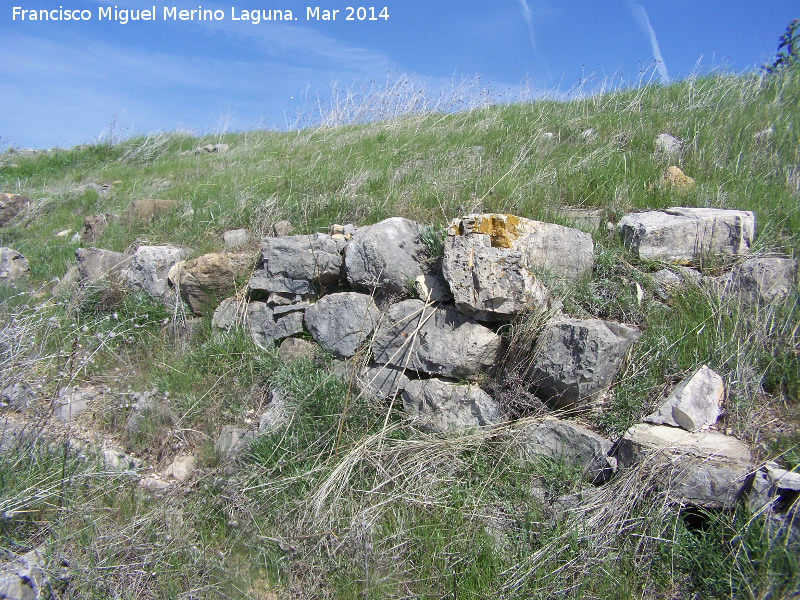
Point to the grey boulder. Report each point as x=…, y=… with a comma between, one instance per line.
x=10, y=206
x=297, y=264
x=13, y=266
x=267, y=327
x=687, y=235
x=443, y=405
x=341, y=322
x=694, y=404
x=96, y=264
x=668, y=146
x=575, y=360
x=705, y=469
x=376, y=382
x=149, y=268
x=23, y=577
x=387, y=256
x=17, y=396
x=439, y=341
x=566, y=443
x=761, y=281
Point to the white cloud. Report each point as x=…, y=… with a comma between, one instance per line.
x=640, y=14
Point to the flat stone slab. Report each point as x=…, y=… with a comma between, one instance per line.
x=439, y=341
x=687, y=235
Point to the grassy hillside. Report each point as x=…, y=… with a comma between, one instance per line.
x=348, y=500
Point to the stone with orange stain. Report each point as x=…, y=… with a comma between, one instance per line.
x=676, y=179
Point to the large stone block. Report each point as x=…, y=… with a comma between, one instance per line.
x=564, y=251
x=705, y=469
x=210, y=277
x=387, y=256
x=687, y=235
x=760, y=281
x=297, y=264
x=96, y=264
x=490, y=283
x=13, y=266
x=149, y=268
x=341, y=322
x=439, y=341
x=575, y=360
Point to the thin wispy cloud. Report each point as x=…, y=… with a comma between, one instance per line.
x=527, y=14
x=640, y=14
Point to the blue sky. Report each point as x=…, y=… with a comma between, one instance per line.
x=67, y=82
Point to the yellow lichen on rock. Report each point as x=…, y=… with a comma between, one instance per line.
x=677, y=179
x=501, y=228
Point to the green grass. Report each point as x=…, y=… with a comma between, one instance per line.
x=345, y=499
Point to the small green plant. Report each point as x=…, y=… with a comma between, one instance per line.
x=788, y=49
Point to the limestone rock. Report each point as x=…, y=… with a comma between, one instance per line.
x=277, y=412
x=23, y=577
x=388, y=256
x=17, y=396
x=761, y=281
x=694, y=404
x=141, y=212
x=231, y=441
x=704, y=468
x=783, y=479
x=13, y=266
x=93, y=228
x=236, y=238
x=115, y=459
x=677, y=180
x=341, y=322
x=297, y=264
x=10, y=206
x=575, y=360
x=490, y=283
x=431, y=289
x=149, y=268
x=292, y=349
x=230, y=314
x=143, y=405
x=564, y=441
x=282, y=228
x=181, y=468
x=67, y=284
x=687, y=235
x=668, y=146
x=96, y=264
x=377, y=382
x=266, y=327
x=72, y=402
x=211, y=276
x=564, y=251
x=444, y=405
x=447, y=343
